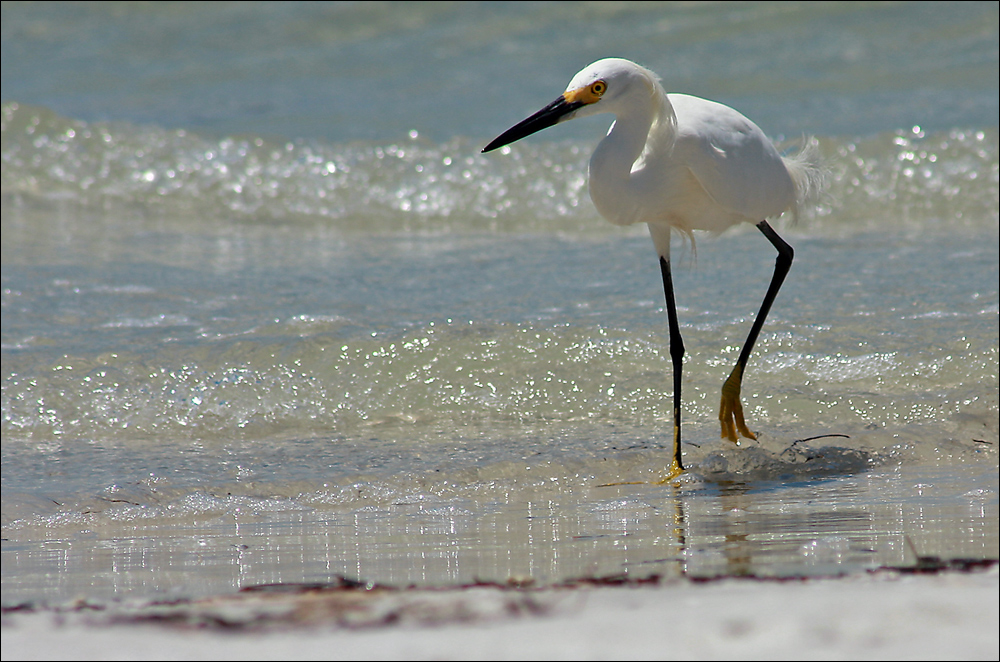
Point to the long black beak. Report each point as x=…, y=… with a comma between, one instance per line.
x=543, y=119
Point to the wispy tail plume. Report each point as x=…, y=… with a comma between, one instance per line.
x=808, y=172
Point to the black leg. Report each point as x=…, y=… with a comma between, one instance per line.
x=677, y=357
x=731, y=410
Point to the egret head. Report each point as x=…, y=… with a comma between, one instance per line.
x=594, y=90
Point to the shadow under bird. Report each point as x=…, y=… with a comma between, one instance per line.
x=678, y=162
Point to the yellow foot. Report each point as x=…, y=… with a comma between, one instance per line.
x=674, y=471
x=731, y=410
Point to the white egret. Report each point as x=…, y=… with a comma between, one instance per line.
x=677, y=162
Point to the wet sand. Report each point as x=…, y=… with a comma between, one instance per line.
x=879, y=615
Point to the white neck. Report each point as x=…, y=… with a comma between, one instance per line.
x=620, y=154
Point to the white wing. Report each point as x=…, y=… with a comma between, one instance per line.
x=732, y=159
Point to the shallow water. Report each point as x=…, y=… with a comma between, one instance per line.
x=520, y=530
x=248, y=337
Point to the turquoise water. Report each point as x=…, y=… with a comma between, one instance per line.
x=258, y=282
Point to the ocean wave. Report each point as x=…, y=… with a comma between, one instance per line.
x=907, y=178
x=484, y=380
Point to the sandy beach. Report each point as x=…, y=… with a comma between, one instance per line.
x=883, y=615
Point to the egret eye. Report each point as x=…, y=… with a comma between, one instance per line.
x=598, y=88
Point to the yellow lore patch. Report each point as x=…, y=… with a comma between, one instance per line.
x=588, y=94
